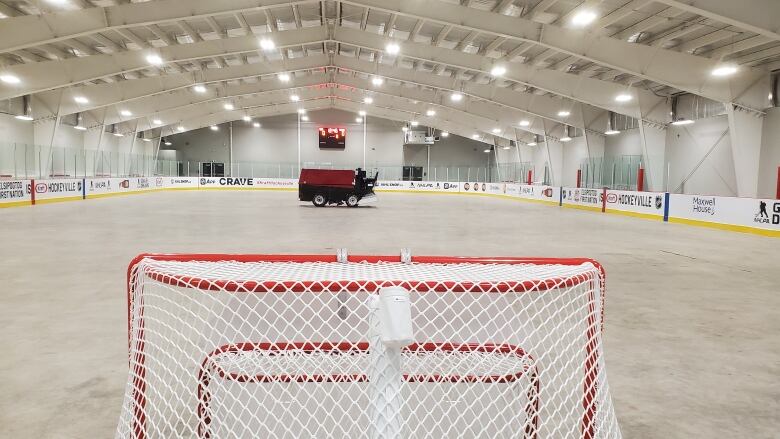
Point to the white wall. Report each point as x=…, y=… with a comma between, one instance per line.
x=770, y=154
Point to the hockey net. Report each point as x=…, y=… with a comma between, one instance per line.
x=226, y=346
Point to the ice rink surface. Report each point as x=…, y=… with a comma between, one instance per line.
x=692, y=315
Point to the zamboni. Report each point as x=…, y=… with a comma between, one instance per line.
x=331, y=186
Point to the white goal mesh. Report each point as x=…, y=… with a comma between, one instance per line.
x=279, y=347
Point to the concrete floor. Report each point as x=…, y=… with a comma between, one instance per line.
x=692, y=319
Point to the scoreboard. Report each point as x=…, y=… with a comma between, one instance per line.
x=333, y=138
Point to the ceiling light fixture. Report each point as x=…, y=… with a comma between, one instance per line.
x=611, y=132
x=496, y=130
x=524, y=123
x=445, y=134
x=154, y=60
x=404, y=129
x=10, y=79
x=295, y=98
x=475, y=136
x=583, y=18
x=247, y=119
x=487, y=150
x=126, y=113
x=80, y=128
x=430, y=113
x=305, y=118
x=724, y=70
x=168, y=143
x=81, y=100
x=362, y=112
x=180, y=128
x=368, y=100
x=23, y=117
x=680, y=122
x=284, y=77
x=392, y=48
x=623, y=97
x=199, y=88
x=498, y=71
x=564, y=113
x=414, y=123
x=118, y=134
x=376, y=80
x=256, y=124
x=214, y=128
x=267, y=44
x=531, y=143
x=229, y=106
x=566, y=139
x=157, y=122
x=301, y=111
x=359, y=120
x=456, y=97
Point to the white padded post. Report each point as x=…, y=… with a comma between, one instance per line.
x=390, y=331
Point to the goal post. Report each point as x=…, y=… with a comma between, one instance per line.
x=286, y=346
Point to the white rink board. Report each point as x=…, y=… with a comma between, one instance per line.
x=61, y=188
x=547, y=194
x=180, y=182
x=746, y=212
x=13, y=192
x=642, y=203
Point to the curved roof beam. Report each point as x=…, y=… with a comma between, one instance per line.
x=32, y=30
x=759, y=16
x=679, y=70
x=49, y=75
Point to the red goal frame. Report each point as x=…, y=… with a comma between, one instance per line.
x=591, y=360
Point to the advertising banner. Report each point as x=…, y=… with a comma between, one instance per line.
x=586, y=198
x=541, y=193
x=417, y=186
x=179, y=182
x=643, y=204
x=726, y=211
x=496, y=188
x=243, y=183
x=58, y=190
x=512, y=189
x=471, y=187
x=15, y=193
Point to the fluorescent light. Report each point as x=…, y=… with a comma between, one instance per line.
x=456, y=97
x=284, y=77
x=531, y=143
x=154, y=60
x=146, y=140
x=475, y=136
x=445, y=134
x=362, y=112
x=498, y=71
x=679, y=122
x=725, y=70
x=214, y=128
x=256, y=124
x=305, y=118
x=376, y=80
x=564, y=113
x=10, y=79
x=430, y=113
x=504, y=147
x=583, y=18
x=392, y=48
x=487, y=150
x=80, y=128
x=611, y=132
x=118, y=134
x=301, y=111
x=623, y=97
x=81, y=100
x=524, y=123
x=168, y=143
x=496, y=130
x=24, y=117
x=414, y=123
x=566, y=139
x=247, y=119
x=368, y=100
x=404, y=129
x=157, y=122
x=126, y=113
x=359, y=120
x=199, y=88
x=295, y=98
x=228, y=106
x=267, y=44
x=180, y=128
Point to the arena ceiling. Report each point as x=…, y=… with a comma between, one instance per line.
x=519, y=66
